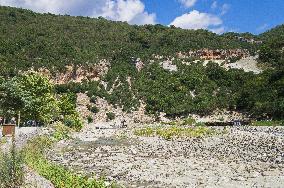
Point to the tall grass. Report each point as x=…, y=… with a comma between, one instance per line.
x=11, y=168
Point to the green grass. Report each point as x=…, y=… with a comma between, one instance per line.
x=58, y=175
x=175, y=132
x=267, y=123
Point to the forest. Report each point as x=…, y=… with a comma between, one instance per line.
x=31, y=40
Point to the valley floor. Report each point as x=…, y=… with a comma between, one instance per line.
x=241, y=157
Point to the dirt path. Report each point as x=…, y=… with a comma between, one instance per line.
x=245, y=157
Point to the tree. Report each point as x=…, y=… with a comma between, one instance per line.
x=32, y=95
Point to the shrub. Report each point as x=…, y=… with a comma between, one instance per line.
x=110, y=116
x=61, y=131
x=11, y=169
x=90, y=119
x=73, y=121
x=94, y=109
x=188, y=121
x=93, y=99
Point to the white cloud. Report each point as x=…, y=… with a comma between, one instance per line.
x=188, y=3
x=224, y=9
x=132, y=11
x=214, y=5
x=218, y=30
x=198, y=20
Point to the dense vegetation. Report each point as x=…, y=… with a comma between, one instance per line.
x=36, y=40
x=272, y=52
x=30, y=96
x=28, y=39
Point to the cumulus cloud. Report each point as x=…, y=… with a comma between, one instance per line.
x=188, y=3
x=198, y=20
x=132, y=11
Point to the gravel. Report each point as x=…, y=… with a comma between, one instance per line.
x=243, y=157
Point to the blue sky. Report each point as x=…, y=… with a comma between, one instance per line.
x=253, y=16
x=219, y=16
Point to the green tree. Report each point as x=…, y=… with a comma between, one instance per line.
x=30, y=94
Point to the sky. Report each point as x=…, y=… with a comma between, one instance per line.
x=219, y=16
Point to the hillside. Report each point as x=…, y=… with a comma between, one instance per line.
x=131, y=65
x=32, y=39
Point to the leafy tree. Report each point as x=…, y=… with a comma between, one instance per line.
x=30, y=94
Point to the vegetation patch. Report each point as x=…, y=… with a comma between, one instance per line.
x=61, y=132
x=110, y=116
x=175, y=132
x=267, y=123
x=58, y=175
x=186, y=121
x=11, y=169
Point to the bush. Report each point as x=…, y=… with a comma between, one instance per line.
x=110, y=116
x=73, y=121
x=188, y=121
x=61, y=131
x=11, y=169
x=90, y=119
x=94, y=109
x=93, y=99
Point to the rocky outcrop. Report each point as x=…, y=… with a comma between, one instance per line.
x=136, y=116
x=218, y=54
x=77, y=73
x=168, y=65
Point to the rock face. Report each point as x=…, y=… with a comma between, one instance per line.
x=75, y=73
x=248, y=64
x=242, y=157
x=138, y=116
x=167, y=65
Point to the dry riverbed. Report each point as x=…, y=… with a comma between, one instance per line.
x=236, y=157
